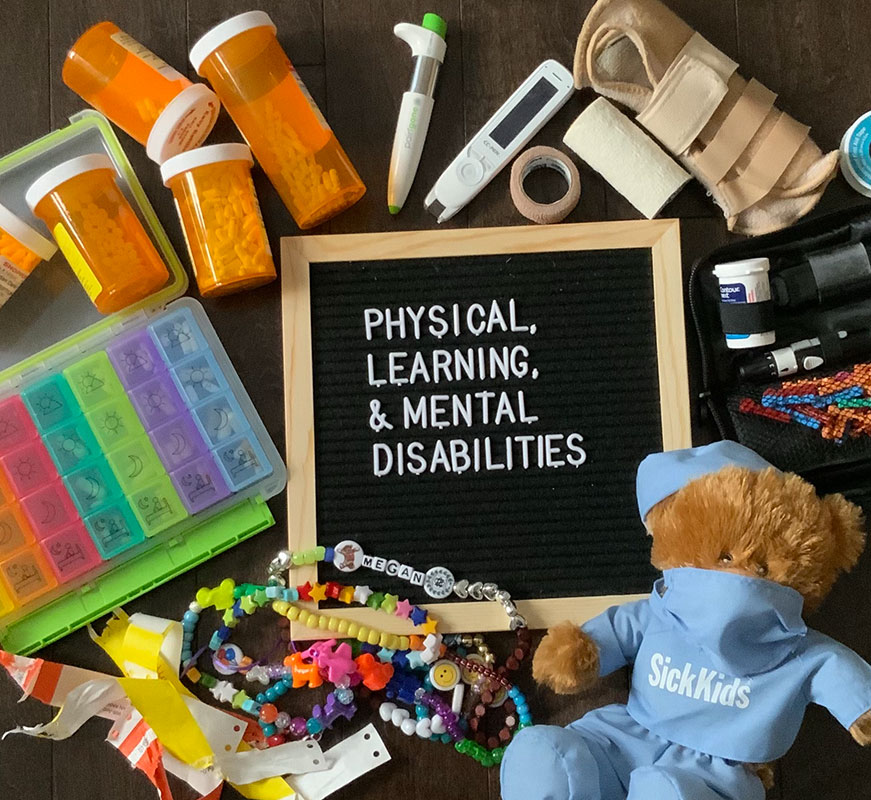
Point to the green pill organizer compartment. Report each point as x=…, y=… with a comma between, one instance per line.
x=129, y=449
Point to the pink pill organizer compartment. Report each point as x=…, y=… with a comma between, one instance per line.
x=129, y=449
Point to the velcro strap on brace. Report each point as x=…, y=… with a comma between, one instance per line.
x=767, y=165
x=688, y=94
x=736, y=132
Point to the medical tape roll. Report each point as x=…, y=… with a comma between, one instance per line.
x=544, y=158
x=626, y=157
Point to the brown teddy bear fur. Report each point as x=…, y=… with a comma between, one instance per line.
x=767, y=524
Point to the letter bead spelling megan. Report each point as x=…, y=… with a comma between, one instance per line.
x=438, y=582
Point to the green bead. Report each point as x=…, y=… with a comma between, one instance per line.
x=239, y=698
x=375, y=600
x=310, y=556
x=229, y=619
x=208, y=680
x=237, y=592
x=260, y=597
x=248, y=605
x=297, y=559
x=320, y=553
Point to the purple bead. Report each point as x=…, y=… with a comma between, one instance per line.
x=282, y=721
x=297, y=728
x=275, y=671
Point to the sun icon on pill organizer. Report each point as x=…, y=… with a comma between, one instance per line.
x=24, y=468
x=7, y=428
x=73, y=445
x=89, y=382
x=134, y=360
x=112, y=423
x=156, y=400
x=46, y=404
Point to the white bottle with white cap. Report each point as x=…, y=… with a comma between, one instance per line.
x=744, y=283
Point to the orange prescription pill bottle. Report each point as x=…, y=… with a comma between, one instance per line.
x=139, y=91
x=21, y=249
x=98, y=232
x=271, y=106
x=220, y=217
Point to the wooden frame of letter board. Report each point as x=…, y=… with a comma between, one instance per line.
x=662, y=237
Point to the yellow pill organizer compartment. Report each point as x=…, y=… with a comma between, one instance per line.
x=112, y=500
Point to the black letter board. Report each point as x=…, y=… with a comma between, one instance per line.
x=479, y=400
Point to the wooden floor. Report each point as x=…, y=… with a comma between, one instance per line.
x=814, y=53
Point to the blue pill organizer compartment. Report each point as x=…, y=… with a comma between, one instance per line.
x=135, y=452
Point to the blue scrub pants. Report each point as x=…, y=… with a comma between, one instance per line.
x=607, y=755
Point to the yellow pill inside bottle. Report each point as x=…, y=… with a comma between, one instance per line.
x=98, y=231
x=220, y=217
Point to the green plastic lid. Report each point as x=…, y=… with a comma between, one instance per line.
x=433, y=22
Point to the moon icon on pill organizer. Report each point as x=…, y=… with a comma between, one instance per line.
x=136, y=466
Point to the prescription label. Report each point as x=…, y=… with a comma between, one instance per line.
x=10, y=278
x=144, y=54
x=308, y=96
x=90, y=283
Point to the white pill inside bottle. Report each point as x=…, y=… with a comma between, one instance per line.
x=743, y=285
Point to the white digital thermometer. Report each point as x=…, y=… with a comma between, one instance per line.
x=521, y=116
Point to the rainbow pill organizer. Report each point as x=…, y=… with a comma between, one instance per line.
x=129, y=449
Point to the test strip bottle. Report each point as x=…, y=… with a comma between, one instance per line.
x=220, y=217
x=98, y=232
x=251, y=73
x=21, y=249
x=139, y=91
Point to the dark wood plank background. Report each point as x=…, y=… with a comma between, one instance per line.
x=813, y=52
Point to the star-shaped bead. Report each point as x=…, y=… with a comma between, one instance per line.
x=361, y=594
x=385, y=655
x=223, y=691
x=258, y=673
x=415, y=659
x=418, y=615
x=346, y=595
x=388, y=604
x=403, y=608
x=430, y=625
x=318, y=592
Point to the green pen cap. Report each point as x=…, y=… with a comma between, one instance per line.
x=433, y=22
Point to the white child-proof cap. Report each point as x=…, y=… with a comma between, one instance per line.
x=747, y=266
x=32, y=239
x=50, y=180
x=226, y=30
x=210, y=154
x=185, y=123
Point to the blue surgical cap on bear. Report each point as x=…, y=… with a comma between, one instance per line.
x=660, y=475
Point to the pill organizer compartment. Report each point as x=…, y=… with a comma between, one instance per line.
x=115, y=448
x=129, y=449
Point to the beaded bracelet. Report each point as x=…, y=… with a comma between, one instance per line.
x=437, y=582
x=435, y=717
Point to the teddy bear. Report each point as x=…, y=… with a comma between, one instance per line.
x=723, y=665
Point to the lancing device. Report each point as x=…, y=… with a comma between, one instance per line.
x=807, y=355
x=427, y=43
x=520, y=117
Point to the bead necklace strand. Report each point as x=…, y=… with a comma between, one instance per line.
x=438, y=582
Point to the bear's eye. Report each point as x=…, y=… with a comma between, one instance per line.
x=726, y=558
x=762, y=570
